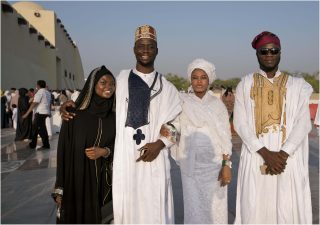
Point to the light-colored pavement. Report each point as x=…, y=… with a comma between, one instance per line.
x=28, y=176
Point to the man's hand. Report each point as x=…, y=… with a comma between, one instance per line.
x=284, y=155
x=24, y=116
x=94, y=153
x=150, y=151
x=276, y=161
x=65, y=115
x=31, y=107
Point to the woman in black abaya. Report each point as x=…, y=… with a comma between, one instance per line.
x=85, y=152
x=24, y=126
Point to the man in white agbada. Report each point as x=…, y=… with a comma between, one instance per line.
x=142, y=191
x=203, y=149
x=271, y=116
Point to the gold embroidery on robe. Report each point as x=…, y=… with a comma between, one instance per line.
x=269, y=98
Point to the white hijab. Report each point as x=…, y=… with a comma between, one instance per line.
x=204, y=65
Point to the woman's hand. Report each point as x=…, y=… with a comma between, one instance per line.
x=58, y=200
x=65, y=115
x=94, y=153
x=165, y=132
x=225, y=176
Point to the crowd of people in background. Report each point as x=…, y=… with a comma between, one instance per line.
x=15, y=102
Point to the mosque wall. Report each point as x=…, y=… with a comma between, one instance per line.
x=24, y=58
x=43, y=20
x=32, y=50
x=70, y=74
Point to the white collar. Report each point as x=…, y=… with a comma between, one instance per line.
x=144, y=74
x=278, y=73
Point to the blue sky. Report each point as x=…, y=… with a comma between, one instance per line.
x=220, y=32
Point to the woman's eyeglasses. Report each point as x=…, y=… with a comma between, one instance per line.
x=272, y=51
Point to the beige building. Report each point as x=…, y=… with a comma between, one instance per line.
x=35, y=45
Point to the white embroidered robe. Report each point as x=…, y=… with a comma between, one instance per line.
x=284, y=198
x=142, y=191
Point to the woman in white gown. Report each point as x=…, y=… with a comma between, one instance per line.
x=203, y=148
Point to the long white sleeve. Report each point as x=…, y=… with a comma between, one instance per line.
x=241, y=123
x=302, y=123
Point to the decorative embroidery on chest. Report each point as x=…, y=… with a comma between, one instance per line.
x=138, y=136
x=268, y=99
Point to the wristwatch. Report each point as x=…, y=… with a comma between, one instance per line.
x=227, y=163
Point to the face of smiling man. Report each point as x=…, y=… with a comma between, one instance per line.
x=146, y=51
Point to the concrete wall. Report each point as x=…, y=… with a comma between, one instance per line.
x=26, y=59
x=43, y=22
x=70, y=60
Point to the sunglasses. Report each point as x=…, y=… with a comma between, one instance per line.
x=272, y=51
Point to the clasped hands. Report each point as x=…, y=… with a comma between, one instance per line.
x=275, y=161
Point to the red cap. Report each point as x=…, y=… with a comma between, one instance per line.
x=265, y=37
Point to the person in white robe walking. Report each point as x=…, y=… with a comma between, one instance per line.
x=272, y=117
x=204, y=148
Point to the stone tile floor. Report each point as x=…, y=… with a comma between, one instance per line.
x=28, y=176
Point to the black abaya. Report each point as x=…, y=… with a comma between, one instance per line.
x=86, y=183
x=24, y=126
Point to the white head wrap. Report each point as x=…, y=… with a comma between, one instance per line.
x=6, y=93
x=206, y=66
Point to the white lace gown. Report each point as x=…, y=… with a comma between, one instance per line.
x=205, y=137
x=204, y=200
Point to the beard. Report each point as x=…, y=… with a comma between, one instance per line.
x=148, y=63
x=269, y=68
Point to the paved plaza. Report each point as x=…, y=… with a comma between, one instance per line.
x=28, y=176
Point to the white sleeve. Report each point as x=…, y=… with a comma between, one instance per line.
x=166, y=141
x=302, y=123
x=317, y=118
x=224, y=128
x=170, y=106
x=37, y=96
x=241, y=124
